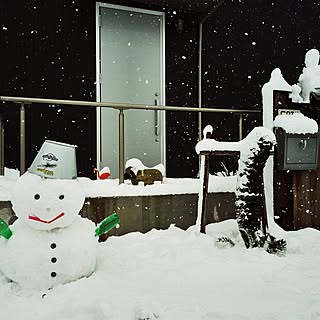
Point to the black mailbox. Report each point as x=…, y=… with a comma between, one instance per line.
x=296, y=151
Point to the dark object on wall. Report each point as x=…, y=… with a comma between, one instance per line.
x=148, y=176
x=129, y=174
x=296, y=151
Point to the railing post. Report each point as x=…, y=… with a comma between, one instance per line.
x=22, y=139
x=121, y=146
x=240, y=126
x=1, y=146
x=205, y=187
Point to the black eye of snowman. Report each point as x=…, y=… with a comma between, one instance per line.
x=37, y=196
x=61, y=197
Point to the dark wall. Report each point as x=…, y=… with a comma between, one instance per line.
x=182, y=90
x=245, y=40
x=48, y=51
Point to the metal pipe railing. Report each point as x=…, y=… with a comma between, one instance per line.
x=121, y=146
x=22, y=139
x=119, y=106
x=123, y=106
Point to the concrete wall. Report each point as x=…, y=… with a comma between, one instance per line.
x=148, y=212
x=143, y=213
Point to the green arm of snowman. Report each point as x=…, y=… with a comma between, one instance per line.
x=107, y=224
x=5, y=230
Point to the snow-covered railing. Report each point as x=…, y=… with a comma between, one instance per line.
x=205, y=148
x=243, y=150
x=22, y=101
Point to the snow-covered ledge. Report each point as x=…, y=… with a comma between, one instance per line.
x=110, y=187
x=296, y=123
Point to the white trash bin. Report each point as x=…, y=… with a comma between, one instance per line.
x=55, y=160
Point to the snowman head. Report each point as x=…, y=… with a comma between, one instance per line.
x=46, y=204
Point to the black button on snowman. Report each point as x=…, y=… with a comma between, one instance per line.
x=50, y=244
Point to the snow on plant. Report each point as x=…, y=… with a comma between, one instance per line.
x=250, y=198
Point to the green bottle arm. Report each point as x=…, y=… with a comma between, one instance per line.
x=5, y=230
x=107, y=224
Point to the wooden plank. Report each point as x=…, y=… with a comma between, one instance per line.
x=306, y=186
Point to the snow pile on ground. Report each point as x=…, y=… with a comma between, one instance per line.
x=174, y=274
x=7, y=182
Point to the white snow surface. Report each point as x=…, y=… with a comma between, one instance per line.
x=168, y=275
x=296, y=123
x=174, y=274
x=248, y=142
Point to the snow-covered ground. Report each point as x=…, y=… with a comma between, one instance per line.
x=183, y=275
x=178, y=275
x=174, y=274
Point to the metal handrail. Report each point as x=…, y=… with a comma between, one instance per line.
x=119, y=106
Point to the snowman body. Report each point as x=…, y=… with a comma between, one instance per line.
x=38, y=259
x=50, y=243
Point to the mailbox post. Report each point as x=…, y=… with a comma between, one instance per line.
x=296, y=175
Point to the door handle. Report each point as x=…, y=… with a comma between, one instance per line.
x=156, y=119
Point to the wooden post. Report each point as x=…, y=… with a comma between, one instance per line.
x=205, y=186
x=22, y=139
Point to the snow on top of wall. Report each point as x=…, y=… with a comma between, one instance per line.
x=214, y=145
x=136, y=165
x=111, y=187
x=296, y=123
x=208, y=145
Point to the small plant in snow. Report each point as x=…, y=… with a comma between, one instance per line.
x=224, y=242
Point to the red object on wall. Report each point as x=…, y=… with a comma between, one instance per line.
x=102, y=174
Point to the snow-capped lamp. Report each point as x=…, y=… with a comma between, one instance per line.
x=55, y=160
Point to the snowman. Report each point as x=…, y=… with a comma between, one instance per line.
x=50, y=244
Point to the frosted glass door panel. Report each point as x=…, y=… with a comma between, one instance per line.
x=131, y=57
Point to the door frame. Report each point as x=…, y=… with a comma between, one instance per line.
x=98, y=75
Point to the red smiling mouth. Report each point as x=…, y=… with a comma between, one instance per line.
x=35, y=218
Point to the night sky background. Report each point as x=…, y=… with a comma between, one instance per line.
x=48, y=50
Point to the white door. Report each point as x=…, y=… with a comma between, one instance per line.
x=130, y=52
